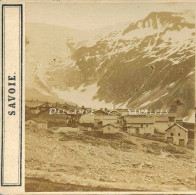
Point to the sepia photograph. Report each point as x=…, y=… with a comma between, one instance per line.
x=109, y=97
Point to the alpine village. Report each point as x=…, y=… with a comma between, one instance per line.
x=158, y=125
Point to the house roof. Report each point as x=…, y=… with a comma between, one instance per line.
x=161, y=119
x=131, y=126
x=178, y=118
x=130, y=114
x=110, y=117
x=122, y=110
x=39, y=120
x=140, y=120
x=101, y=112
x=113, y=112
x=113, y=125
x=178, y=126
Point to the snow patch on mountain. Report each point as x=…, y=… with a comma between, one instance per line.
x=83, y=96
x=190, y=118
x=145, y=104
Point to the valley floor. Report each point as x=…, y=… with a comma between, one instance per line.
x=90, y=161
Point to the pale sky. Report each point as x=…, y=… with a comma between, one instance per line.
x=93, y=16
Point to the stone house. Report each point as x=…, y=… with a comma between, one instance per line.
x=161, y=123
x=109, y=119
x=136, y=124
x=177, y=135
x=98, y=116
x=98, y=120
x=110, y=129
x=101, y=120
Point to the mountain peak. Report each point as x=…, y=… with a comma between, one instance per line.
x=164, y=20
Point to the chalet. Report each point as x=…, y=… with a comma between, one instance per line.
x=140, y=124
x=37, y=123
x=87, y=118
x=161, y=123
x=55, y=119
x=98, y=117
x=109, y=119
x=101, y=112
x=110, y=129
x=177, y=135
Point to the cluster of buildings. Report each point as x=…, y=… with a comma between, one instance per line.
x=36, y=109
x=169, y=125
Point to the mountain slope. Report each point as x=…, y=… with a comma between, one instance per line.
x=147, y=64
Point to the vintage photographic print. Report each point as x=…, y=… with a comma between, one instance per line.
x=109, y=97
x=109, y=101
